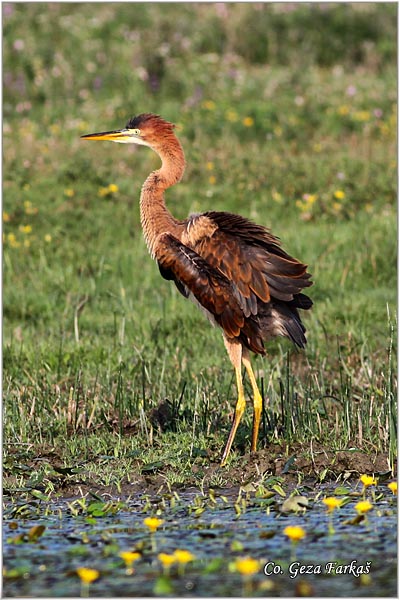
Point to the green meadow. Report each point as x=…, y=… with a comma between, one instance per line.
x=288, y=116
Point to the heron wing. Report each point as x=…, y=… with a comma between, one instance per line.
x=249, y=256
x=210, y=287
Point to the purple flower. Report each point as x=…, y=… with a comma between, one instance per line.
x=351, y=90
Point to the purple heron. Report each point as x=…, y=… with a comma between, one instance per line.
x=232, y=268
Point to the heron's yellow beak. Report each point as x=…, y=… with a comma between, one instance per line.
x=123, y=136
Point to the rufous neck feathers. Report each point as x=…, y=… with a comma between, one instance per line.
x=154, y=215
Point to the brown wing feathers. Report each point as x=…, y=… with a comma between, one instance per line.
x=209, y=286
x=239, y=273
x=252, y=257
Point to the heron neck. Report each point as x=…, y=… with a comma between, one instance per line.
x=154, y=215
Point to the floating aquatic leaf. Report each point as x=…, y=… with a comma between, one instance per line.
x=36, y=532
x=78, y=550
x=265, y=494
x=40, y=495
x=208, y=534
x=163, y=586
x=18, y=539
x=97, y=509
x=341, y=491
x=96, y=496
x=266, y=535
x=304, y=589
x=248, y=488
x=295, y=504
x=237, y=546
x=358, y=519
x=16, y=572
x=365, y=579
x=279, y=490
x=214, y=565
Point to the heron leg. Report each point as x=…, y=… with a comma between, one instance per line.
x=257, y=400
x=235, y=354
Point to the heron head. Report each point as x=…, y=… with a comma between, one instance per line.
x=146, y=129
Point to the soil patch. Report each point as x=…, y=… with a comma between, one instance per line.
x=310, y=465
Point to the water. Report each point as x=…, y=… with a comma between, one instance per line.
x=215, y=534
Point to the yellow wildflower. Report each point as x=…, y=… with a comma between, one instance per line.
x=209, y=165
x=113, y=188
x=129, y=557
x=6, y=217
x=339, y=194
x=248, y=121
x=29, y=209
x=343, y=110
x=367, y=480
x=212, y=179
x=55, y=128
x=69, y=192
x=25, y=228
x=393, y=487
x=247, y=565
x=27, y=243
x=294, y=532
x=231, y=116
x=277, y=197
x=103, y=191
x=153, y=523
x=166, y=559
x=331, y=503
x=337, y=207
x=12, y=240
x=47, y=238
x=362, y=115
x=363, y=506
x=307, y=202
x=183, y=556
x=310, y=198
x=209, y=105
x=82, y=125
x=87, y=575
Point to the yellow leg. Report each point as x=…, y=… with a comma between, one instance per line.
x=257, y=401
x=239, y=410
x=234, y=348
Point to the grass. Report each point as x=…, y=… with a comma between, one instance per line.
x=303, y=142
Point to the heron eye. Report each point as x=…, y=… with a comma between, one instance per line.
x=134, y=131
